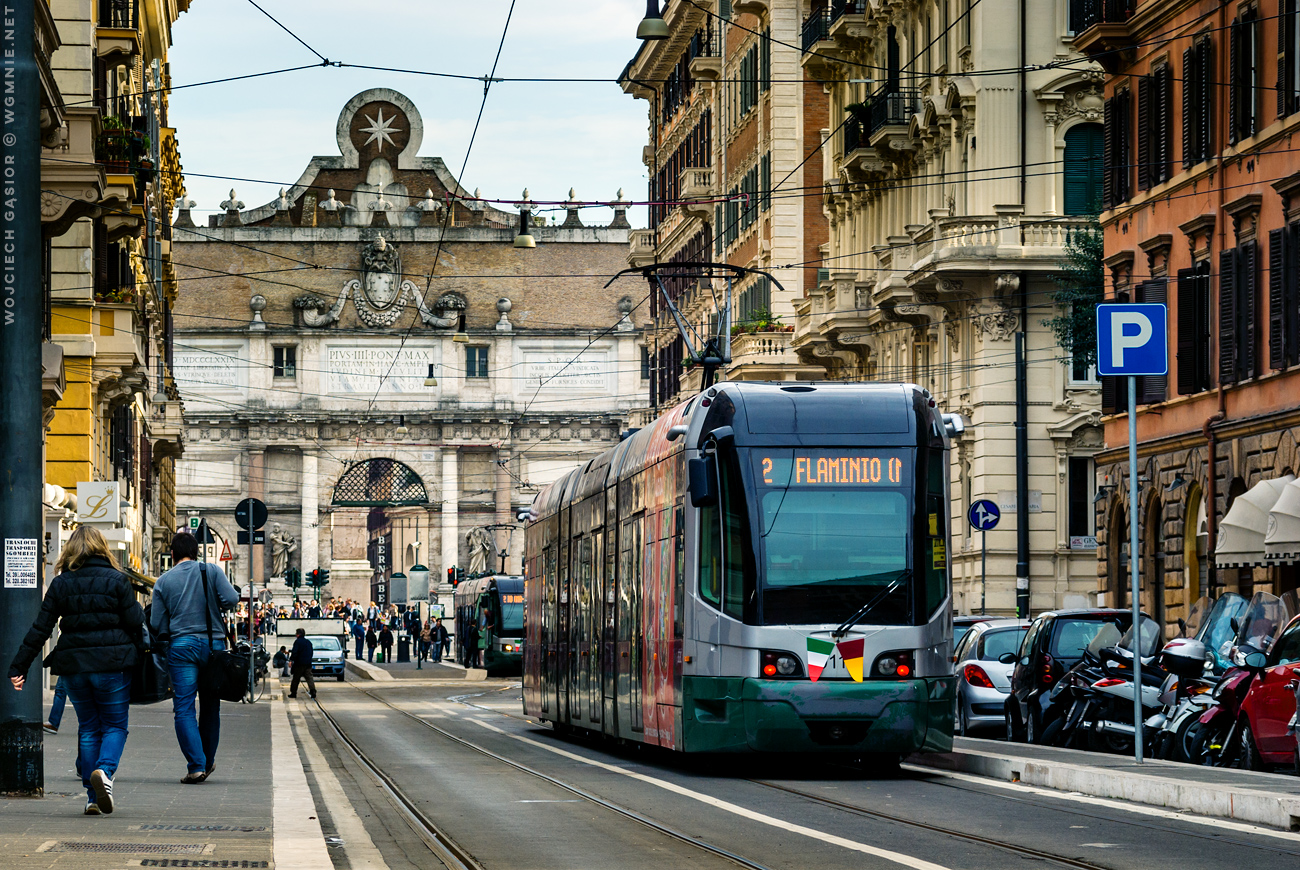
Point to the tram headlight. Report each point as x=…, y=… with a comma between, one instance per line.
x=896, y=664
x=776, y=664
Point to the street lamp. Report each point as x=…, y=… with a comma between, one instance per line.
x=652, y=27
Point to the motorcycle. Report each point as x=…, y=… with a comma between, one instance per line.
x=1223, y=735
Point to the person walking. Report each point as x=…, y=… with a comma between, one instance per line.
x=300, y=664
x=188, y=601
x=100, y=637
x=358, y=634
x=372, y=641
x=386, y=644
x=441, y=640
x=426, y=638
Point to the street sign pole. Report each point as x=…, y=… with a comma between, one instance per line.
x=250, y=515
x=1134, y=515
x=983, y=515
x=984, y=569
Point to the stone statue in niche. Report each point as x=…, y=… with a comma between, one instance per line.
x=481, y=548
x=283, y=545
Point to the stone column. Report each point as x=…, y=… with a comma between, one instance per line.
x=504, y=510
x=309, y=543
x=450, y=522
x=1050, y=119
x=256, y=489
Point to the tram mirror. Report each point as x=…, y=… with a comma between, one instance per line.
x=701, y=480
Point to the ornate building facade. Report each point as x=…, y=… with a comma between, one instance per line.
x=733, y=123
x=962, y=149
x=110, y=169
x=374, y=356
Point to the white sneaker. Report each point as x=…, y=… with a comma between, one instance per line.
x=92, y=808
x=103, y=786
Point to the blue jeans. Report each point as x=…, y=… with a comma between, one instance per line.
x=101, y=701
x=198, y=736
x=361, y=642
x=60, y=699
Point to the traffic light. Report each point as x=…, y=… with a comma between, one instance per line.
x=323, y=576
x=460, y=575
x=293, y=578
x=451, y=577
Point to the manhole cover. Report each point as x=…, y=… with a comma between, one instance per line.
x=129, y=848
x=199, y=862
x=243, y=829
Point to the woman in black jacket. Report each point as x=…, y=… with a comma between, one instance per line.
x=100, y=632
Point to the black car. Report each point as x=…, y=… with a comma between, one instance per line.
x=1054, y=643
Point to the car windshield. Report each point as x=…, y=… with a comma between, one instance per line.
x=325, y=644
x=1072, y=635
x=998, y=641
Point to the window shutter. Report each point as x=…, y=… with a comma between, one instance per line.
x=1109, y=394
x=1247, y=298
x=1227, y=317
x=1188, y=108
x=1108, y=153
x=1234, y=73
x=1283, y=65
x=1164, y=106
x=1291, y=294
x=1205, y=75
x=1277, y=345
x=1186, y=339
x=1152, y=388
x=1144, y=150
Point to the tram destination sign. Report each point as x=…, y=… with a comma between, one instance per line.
x=830, y=467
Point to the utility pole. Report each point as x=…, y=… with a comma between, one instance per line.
x=21, y=427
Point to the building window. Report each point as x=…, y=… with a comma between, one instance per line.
x=476, y=362
x=1193, y=339
x=1288, y=55
x=286, y=362
x=1082, y=513
x=1238, y=280
x=1154, y=131
x=1117, y=148
x=1083, y=167
x=1081, y=373
x=1152, y=388
x=1283, y=297
x=1198, y=100
x=645, y=363
x=1243, y=77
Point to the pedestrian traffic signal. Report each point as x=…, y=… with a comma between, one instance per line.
x=293, y=578
x=455, y=576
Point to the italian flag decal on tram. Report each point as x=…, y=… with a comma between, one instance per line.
x=851, y=652
x=819, y=651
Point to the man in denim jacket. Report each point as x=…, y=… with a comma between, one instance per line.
x=182, y=615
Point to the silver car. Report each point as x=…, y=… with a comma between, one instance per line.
x=983, y=682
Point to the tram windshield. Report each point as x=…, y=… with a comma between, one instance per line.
x=511, y=593
x=835, y=532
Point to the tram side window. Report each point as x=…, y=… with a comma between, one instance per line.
x=679, y=568
x=736, y=548
x=936, y=555
x=710, y=556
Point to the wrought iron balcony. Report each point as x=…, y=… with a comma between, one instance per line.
x=840, y=8
x=891, y=107
x=119, y=14
x=1086, y=13
x=853, y=139
x=816, y=27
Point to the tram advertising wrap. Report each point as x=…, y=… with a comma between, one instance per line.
x=765, y=567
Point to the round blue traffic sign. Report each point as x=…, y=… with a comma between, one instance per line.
x=983, y=515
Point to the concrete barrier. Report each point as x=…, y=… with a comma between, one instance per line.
x=367, y=671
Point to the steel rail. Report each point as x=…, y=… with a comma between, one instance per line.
x=572, y=789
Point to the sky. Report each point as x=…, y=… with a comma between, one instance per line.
x=546, y=136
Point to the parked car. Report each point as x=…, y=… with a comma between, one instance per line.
x=326, y=656
x=1055, y=642
x=963, y=624
x=983, y=680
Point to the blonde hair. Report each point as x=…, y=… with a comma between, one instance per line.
x=85, y=542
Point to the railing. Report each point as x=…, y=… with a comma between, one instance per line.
x=840, y=8
x=119, y=14
x=764, y=348
x=891, y=107
x=704, y=44
x=816, y=27
x=853, y=139
x=1086, y=13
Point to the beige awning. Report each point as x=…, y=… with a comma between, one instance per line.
x=1282, y=542
x=1242, y=531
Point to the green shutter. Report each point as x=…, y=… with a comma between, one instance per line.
x=1083, y=169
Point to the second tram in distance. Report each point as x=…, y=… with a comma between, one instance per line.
x=495, y=603
x=684, y=587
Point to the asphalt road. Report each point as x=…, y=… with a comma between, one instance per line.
x=770, y=812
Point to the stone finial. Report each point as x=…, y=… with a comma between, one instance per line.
x=571, y=220
x=331, y=204
x=232, y=207
x=183, y=206
x=380, y=207
x=282, y=206
x=257, y=304
x=282, y=203
x=432, y=212
x=620, y=205
x=625, y=306
x=503, y=308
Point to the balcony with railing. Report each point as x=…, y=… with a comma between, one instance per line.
x=767, y=356
x=118, y=28
x=706, y=55
x=841, y=8
x=695, y=190
x=816, y=27
x=1101, y=30
x=890, y=108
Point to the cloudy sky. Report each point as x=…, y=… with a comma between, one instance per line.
x=546, y=136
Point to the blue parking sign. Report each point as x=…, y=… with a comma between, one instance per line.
x=1132, y=339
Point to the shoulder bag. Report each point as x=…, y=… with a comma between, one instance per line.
x=226, y=673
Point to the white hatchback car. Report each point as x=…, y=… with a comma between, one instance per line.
x=983, y=682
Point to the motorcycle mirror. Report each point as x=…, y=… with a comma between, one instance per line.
x=1182, y=627
x=1007, y=658
x=1236, y=626
x=1256, y=661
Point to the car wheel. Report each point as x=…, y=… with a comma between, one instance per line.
x=341, y=678
x=1249, y=758
x=963, y=723
x=1031, y=728
x=1012, y=736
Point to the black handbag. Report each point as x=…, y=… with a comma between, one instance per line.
x=226, y=673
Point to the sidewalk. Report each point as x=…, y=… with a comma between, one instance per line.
x=445, y=670
x=1271, y=799
x=251, y=813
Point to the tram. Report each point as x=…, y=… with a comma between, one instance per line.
x=763, y=568
x=495, y=603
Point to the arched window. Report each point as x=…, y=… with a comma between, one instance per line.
x=1082, y=170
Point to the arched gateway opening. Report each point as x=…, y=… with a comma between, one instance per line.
x=381, y=515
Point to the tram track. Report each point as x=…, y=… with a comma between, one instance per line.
x=461, y=859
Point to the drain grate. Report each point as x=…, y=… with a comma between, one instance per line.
x=129, y=848
x=243, y=829
x=199, y=862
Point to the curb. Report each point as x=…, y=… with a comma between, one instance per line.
x=367, y=671
x=1229, y=802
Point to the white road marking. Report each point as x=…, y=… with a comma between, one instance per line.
x=1122, y=806
x=354, y=840
x=1100, y=845
x=725, y=806
x=573, y=801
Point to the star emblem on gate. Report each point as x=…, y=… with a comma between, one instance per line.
x=381, y=130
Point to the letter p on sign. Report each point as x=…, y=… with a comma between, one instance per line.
x=1132, y=339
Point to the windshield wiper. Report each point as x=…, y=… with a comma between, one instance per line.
x=862, y=611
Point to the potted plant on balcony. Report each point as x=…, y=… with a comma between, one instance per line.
x=760, y=320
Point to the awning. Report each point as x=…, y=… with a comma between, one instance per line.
x=1282, y=543
x=1242, y=531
